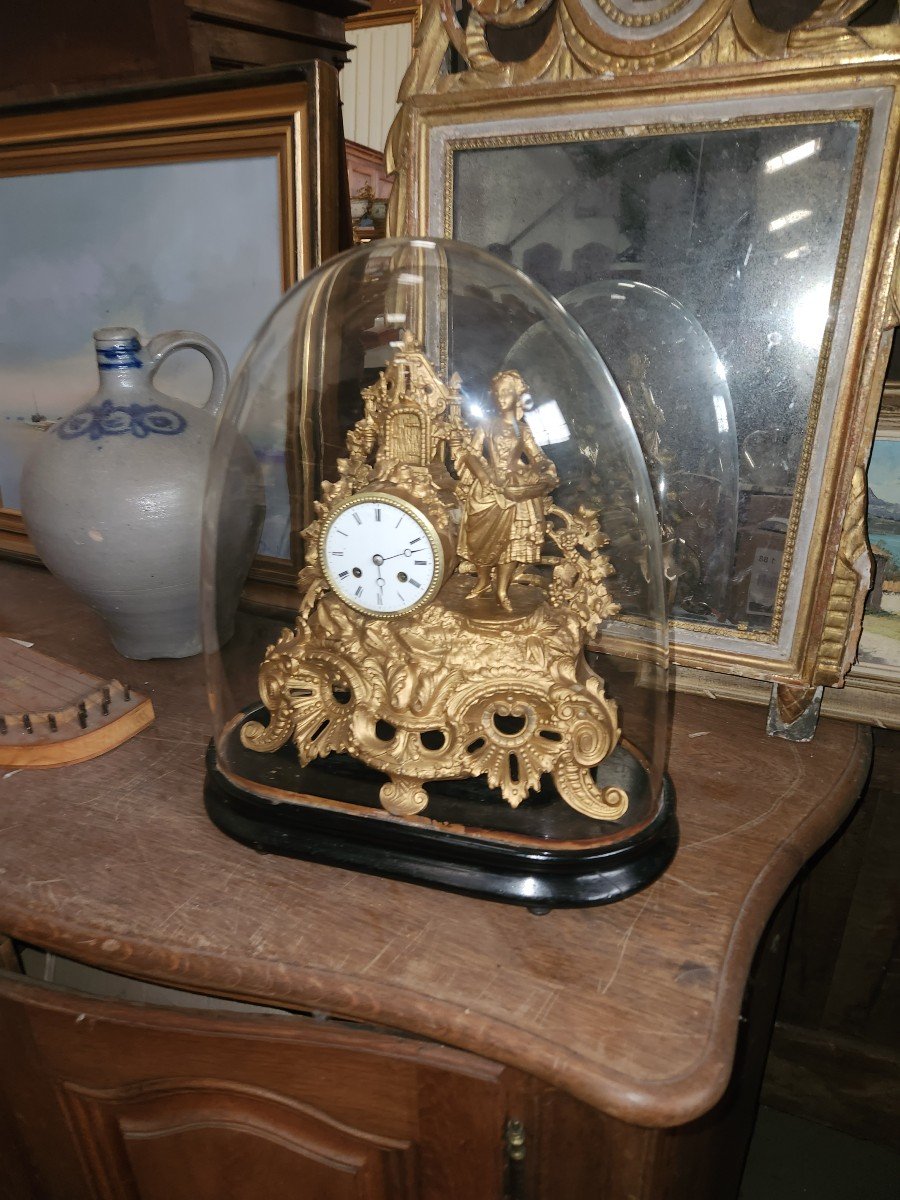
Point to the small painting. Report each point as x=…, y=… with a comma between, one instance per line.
x=879, y=645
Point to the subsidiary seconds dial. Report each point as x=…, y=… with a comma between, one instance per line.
x=381, y=555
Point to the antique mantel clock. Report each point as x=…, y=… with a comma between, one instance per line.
x=432, y=712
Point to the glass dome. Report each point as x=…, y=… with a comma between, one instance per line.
x=463, y=679
x=675, y=385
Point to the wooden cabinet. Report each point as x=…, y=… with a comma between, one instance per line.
x=59, y=47
x=106, y=1100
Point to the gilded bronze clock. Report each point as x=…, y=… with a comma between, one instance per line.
x=478, y=671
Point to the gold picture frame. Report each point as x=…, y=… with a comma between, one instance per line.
x=591, y=75
x=871, y=690
x=287, y=120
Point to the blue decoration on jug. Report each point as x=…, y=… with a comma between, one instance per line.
x=110, y=420
x=121, y=354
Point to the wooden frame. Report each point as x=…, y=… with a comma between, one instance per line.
x=290, y=116
x=386, y=12
x=601, y=72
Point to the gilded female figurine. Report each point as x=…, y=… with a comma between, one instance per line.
x=509, y=475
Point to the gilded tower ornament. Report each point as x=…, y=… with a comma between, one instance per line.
x=446, y=602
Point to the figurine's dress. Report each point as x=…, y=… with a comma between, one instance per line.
x=495, y=529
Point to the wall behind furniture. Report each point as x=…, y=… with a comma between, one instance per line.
x=371, y=80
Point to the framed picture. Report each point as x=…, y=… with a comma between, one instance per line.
x=879, y=644
x=192, y=208
x=754, y=190
x=871, y=688
x=873, y=683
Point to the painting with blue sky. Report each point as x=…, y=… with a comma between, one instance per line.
x=880, y=642
x=186, y=245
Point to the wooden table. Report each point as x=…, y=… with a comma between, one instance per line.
x=632, y=1009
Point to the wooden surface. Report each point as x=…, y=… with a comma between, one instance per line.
x=632, y=1008
x=387, y=12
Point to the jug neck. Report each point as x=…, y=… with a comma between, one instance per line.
x=120, y=358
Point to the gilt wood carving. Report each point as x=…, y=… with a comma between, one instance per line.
x=604, y=39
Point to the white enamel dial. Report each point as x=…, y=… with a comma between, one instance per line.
x=381, y=555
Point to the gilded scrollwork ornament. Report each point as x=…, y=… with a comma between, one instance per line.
x=602, y=39
x=457, y=649
x=852, y=580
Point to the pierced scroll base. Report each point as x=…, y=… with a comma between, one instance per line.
x=542, y=855
x=462, y=689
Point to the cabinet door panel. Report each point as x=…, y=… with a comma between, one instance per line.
x=115, y=1101
x=193, y=1139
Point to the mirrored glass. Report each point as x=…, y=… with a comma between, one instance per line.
x=744, y=228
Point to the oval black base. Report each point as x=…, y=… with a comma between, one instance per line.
x=517, y=874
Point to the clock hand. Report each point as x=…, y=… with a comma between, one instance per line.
x=407, y=552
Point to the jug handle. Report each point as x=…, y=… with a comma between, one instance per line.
x=164, y=344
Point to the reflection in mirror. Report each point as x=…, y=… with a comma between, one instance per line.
x=743, y=231
x=583, y=447
x=676, y=389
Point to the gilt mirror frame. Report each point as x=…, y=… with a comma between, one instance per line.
x=644, y=67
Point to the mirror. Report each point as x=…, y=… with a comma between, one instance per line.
x=702, y=262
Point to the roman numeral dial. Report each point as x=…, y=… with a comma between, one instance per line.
x=381, y=555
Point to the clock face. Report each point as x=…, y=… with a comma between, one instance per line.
x=381, y=555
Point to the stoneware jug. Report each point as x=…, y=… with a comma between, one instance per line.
x=113, y=495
